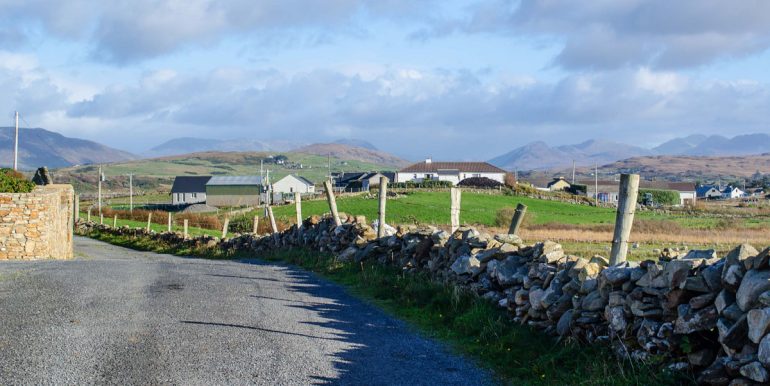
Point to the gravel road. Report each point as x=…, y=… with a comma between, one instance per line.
x=118, y=316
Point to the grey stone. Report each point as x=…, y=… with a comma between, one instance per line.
x=732, y=275
x=465, y=265
x=760, y=261
x=695, y=283
x=705, y=254
x=565, y=321
x=735, y=336
x=724, y=300
x=759, y=323
x=756, y=372
x=702, y=357
x=617, y=319
x=347, y=254
x=594, y=301
x=616, y=275
x=689, y=321
x=536, y=298
x=733, y=312
x=764, y=299
x=763, y=352
x=701, y=301
x=754, y=283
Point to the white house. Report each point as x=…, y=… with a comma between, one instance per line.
x=709, y=191
x=189, y=190
x=732, y=192
x=292, y=183
x=449, y=171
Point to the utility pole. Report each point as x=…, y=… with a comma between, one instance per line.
x=330, y=166
x=99, y=184
x=573, y=171
x=131, y=192
x=16, y=143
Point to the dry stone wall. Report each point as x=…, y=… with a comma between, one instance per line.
x=37, y=225
x=700, y=312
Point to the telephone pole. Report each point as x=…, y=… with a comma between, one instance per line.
x=99, y=194
x=596, y=184
x=573, y=171
x=16, y=143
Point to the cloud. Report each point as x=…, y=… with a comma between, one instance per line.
x=126, y=31
x=610, y=34
x=411, y=111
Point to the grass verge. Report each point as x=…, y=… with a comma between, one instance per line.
x=469, y=325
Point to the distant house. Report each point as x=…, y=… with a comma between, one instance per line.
x=709, y=191
x=292, y=183
x=449, y=171
x=558, y=184
x=234, y=190
x=608, y=190
x=756, y=192
x=189, y=190
x=732, y=192
x=359, y=181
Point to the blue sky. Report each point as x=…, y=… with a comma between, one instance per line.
x=450, y=79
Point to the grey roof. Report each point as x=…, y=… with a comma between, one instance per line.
x=190, y=184
x=235, y=180
x=305, y=180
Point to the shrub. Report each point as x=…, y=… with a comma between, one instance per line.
x=480, y=182
x=659, y=196
x=12, y=181
x=426, y=184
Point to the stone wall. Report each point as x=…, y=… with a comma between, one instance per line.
x=698, y=312
x=37, y=225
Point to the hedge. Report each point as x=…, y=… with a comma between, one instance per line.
x=660, y=196
x=423, y=184
x=12, y=181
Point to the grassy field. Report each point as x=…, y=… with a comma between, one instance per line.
x=192, y=231
x=469, y=325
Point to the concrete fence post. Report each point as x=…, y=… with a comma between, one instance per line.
x=101, y=219
x=628, y=193
x=170, y=223
x=332, y=202
x=383, y=200
x=225, y=226
x=256, y=225
x=88, y=216
x=271, y=216
x=454, y=210
x=149, y=221
x=518, y=217
x=115, y=221
x=77, y=208
x=298, y=208
x=185, y=229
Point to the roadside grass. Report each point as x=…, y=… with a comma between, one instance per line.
x=192, y=231
x=468, y=324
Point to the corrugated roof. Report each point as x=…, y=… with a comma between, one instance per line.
x=190, y=184
x=463, y=167
x=235, y=180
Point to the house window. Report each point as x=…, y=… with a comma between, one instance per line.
x=476, y=175
x=427, y=176
x=291, y=190
x=415, y=176
x=195, y=195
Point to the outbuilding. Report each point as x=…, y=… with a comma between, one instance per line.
x=233, y=191
x=189, y=190
x=293, y=183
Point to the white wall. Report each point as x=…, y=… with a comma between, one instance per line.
x=291, y=184
x=187, y=198
x=419, y=177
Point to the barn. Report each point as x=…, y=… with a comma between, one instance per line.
x=234, y=191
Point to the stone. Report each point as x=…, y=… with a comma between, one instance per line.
x=760, y=261
x=705, y=254
x=738, y=255
x=465, y=265
x=712, y=275
x=506, y=270
x=734, y=337
x=617, y=319
x=536, y=297
x=715, y=374
x=764, y=299
x=756, y=372
x=759, y=323
x=724, y=300
x=732, y=276
x=754, y=283
x=701, y=357
x=701, y=301
x=741, y=382
x=616, y=275
x=763, y=351
x=689, y=321
x=509, y=239
x=589, y=271
x=347, y=254
x=565, y=321
x=695, y=283
x=733, y=312
x=552, y=257
x=594, y=301
x=42, y=177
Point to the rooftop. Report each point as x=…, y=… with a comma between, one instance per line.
x=235, y=180
x=462, y=167
x=190, y=184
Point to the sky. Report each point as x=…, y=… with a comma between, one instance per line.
x=455, y=80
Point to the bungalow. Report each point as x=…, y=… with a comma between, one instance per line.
x=709, y=191
x=608, y=190
x=449, y=171
x=234, y=190
x=558, y=184
x=359, y=181
x=732, y=192
x=189, y=190
x=292, y=183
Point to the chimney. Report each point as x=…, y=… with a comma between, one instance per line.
x=428, y=160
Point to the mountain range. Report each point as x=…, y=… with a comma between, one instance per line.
x=40, y=147
x=187, y=145
x=541, y=156
x=350, y=152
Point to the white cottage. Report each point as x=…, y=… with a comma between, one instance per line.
x=292, y=183
x=449, y=171
x=189, y=190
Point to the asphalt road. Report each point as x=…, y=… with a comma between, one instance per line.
x=118, y=316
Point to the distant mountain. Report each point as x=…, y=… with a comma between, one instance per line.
x=540, y=156
x=716, y=145
x=40, y=147
x=352, y=153
x=356, y=143
x=188, y=145
x=687, y=167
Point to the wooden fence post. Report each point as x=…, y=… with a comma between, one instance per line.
x=169, y=222
x=381, y=212
x=224, y=227
x=298, y=207
x=115, y=221
x=101, y=219
x=270, y=215
x=256, y=225
x=185, y=229
x=149, y=220
x=332, y=202
x=628, y=193
x=518, y=217
x=88, y=216
x=454, y=210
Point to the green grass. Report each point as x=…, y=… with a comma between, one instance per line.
x=469, y=325
x=191, y=231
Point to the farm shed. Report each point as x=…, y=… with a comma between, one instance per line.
x=234, y=191
x=189, y=190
